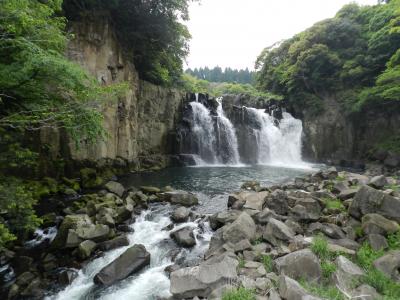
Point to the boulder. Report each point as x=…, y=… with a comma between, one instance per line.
x=277, y=231
x=278, y=202
x=347, y=275
x=302, y=214
x=180, y=197
x=377, y=242
x=290, y=289
x=150, y=189
x=117, y=242
x=365, y=292
x=203, y=279
x=86, y=248
x=242, y=228
x=348, y=193
x=251, y=185
x=180, y=214
x=302, y=264
x=378, y=182
x=70, y=222
x=369, y=200
x=264, y=216
x=375, y=223
x=184, y=237
x=255, y=201
x=131, y=261
x=392, y=160
x=115, y=188
x=220, y=219
x=389, y=264
x=97, y=233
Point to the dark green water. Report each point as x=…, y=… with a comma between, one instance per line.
x=213, y=184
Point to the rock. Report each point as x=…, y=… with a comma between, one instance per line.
x=347, y=274
x=131, y=261
x=180, y=197
x=331, y=230
x=277, y=231
x=339, y=187
x=278, y=202
x=86, y=248
x=365, y=292
x=389, y=264
x=302, y=264
x=251, y=185
x=181, y=214
x=70, y=222
x=97, y=233
x=150, y=189
x=117, y=242
x=302, y=214
x=242, y=228
x=90, y=179
x=369, y=200
x=220, y=219
x=25, y=278
x=201, y=280
x=115, y=188
x=264, y=216
x=378, y=182
x=377, y=242
x=256, y=201
x=242, y=245
x=392, y=161
x=348, y=193
x=290, y=289
x=375, y=223
x=33, y=290
x=125, y=228
x=67, y=276
x=184, y=237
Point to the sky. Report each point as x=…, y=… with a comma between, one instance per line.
x=232, y=33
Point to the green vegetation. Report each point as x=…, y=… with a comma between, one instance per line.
x=218, y=75
x=151, y=31
x=353, y=57
x=323, y=291
x=334, y=204
x=320, y=247
x=267, y=262
x=394, y=241
x=192, y=84
x=241, y=264
x=239, y=294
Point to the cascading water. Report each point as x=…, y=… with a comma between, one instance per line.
x=276, y=144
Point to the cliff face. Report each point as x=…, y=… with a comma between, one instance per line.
x=139, y=124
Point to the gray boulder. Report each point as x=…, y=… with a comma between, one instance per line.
x=180, y=197
x=302, y=264
x=180, y=214
x=347, y=275
x=131, y=261
x=117, y=242
x=86, y=248
x=377, y=242
x=115, y=188
x=276, y=232
x=375, y=223
x=365, y=292
x=242, y=228
x=97, y=233
x=278, y=201
x=203, y=279
x=69, y=224
x=255, y=201
x=378, y=182
x=290, y=289
x=389, y=264
x=369, y=200
x=184, y=237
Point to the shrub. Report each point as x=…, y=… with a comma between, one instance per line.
x=239, y=294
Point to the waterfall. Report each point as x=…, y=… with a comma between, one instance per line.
x=276, y=142
x=214, y=137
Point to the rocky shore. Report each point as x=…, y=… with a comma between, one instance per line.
x=327, y=235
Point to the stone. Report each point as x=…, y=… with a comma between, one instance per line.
x=348, y=193
x=184, y=237
x=70, y=222
x=220, y=219
x=369, y=200
x=375, y=223
x=203, y=279
x=180, y=197
x=365, y=292
x=242, y=245
x=115, y=188
x=250, y=185
x=255, y=201
x=389, y=264
x=97, y=233
x=131, y=261
x=278, y=202
x=392, y=161
x=347, y=275
x=290, y=289
x=378, y=182
x=25, y=278
x=67, y=276
x=302, y=264
x=150, y=189
x=331, y=230
x=264, y=216
x=377, y=242
x=180, y=214
x=242, y=228
x=117, y=242
x=277, y=231
x=302, y=214
x=33, y=290
x=86, y=248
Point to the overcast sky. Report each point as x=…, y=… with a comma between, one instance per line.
x=231, y=33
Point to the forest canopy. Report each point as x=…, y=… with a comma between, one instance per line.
x=354, y=55
x=217, y=74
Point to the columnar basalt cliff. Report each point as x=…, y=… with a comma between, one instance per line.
x=138, y=125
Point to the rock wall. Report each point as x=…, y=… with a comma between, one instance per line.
x=139, y=124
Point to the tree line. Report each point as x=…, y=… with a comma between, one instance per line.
x=217, y=74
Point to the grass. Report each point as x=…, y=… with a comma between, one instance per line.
x=394, y=240
x=328, y=268
x=323, y=291
x=320, y=248
x=239, y=294
x=267, y=262
x=242, y=262
x=394, y=187
x=334, y=204
x=359, y=231
x=340, y=178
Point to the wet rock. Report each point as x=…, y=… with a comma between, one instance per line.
x=67, y=276
x=302, y=264
x=125, y=228
x=377, y=242
x=67, y=228
x=33, y=290
x=117, y=242
x=378, y=182
x=251, y=186
x=150, y=189
x=184, y=237
x=180, y=214
x=277, y=231
x=347, y=274
x=86, y=248
x=180, y=197
x=25, y=278
x=375, y=223
x=131, y=261
x=242, y=228
x=115, y=188
x=389, y=264
x=201, y=280
x=369, y=200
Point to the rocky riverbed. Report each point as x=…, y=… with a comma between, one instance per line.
x=298, y=240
